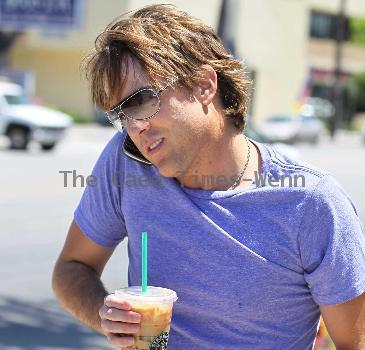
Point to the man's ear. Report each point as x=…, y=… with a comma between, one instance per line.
x=206, y=85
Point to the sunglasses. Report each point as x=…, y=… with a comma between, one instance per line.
x=142, y=104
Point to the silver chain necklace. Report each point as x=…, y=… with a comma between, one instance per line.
x=239, y=177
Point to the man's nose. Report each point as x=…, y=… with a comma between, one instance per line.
x=137, y=126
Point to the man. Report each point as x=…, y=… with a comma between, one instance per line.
x=254, y=262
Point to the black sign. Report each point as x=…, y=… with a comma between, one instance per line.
x=58, y=14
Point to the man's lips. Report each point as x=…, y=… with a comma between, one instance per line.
x=154, y=146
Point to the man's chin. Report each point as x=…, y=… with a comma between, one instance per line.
x=167, y=171
x=167, y=168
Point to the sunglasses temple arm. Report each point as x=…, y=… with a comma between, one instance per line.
x=170, y=83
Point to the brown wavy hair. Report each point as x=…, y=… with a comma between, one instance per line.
x=168, y=43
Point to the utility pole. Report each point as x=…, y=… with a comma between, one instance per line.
x=337, y=88
x=228, y=25
x=7, y=39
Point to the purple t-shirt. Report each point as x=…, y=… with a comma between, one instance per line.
x=250, y=266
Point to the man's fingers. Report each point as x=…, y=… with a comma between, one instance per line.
x=119, y=327
x=116, y=309
x=113, y=314
x=112, y=301
x=120, y=341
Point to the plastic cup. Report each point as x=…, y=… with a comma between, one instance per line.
x=155, y=308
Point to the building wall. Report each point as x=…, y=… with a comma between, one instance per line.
x=321, y=53
x=58, y=80
x=272, y=37
x=55, y=58
x=355, y=8
x=272, y=41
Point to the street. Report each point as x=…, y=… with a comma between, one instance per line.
x=36, y=210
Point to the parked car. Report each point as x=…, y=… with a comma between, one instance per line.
x=318, y=107
x=253, y=133
x=22, y=122
x=292, y=128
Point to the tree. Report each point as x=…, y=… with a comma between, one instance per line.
x=358, y=86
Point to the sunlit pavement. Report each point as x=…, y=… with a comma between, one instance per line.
x=35, y=213
x=36, y=210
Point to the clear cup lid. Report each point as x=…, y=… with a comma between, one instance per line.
x=152, y=296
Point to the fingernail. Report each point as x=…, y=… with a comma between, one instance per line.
x=131, y=341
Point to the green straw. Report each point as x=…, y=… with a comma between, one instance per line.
x=144, y=262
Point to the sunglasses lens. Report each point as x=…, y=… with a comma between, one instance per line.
x=142, y=105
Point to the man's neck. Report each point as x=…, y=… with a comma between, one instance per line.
x=220, y=168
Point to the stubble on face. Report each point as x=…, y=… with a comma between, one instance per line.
x=195, y=138
x=187, y=129
x=183, y=132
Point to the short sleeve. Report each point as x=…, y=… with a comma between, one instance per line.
x=98, y=213
x=332, y=245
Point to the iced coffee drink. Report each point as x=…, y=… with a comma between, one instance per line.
x=155, y=308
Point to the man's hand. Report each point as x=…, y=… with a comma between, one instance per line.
x=118, y=322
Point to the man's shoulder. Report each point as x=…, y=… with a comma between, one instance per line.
x=289, y=171
x=317, y=187
x=113, y=152
x=111, y=157
x=115, y=144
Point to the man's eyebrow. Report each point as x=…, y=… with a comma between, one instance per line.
x=130, y=95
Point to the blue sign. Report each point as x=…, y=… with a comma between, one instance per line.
x=45, y=14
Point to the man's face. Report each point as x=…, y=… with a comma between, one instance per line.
x=177, y=139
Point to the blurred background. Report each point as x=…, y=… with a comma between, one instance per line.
x=307, y=62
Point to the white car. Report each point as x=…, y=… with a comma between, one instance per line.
x=252, y=132
x=292, y=128
x=318, y=107
x=23, y=122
